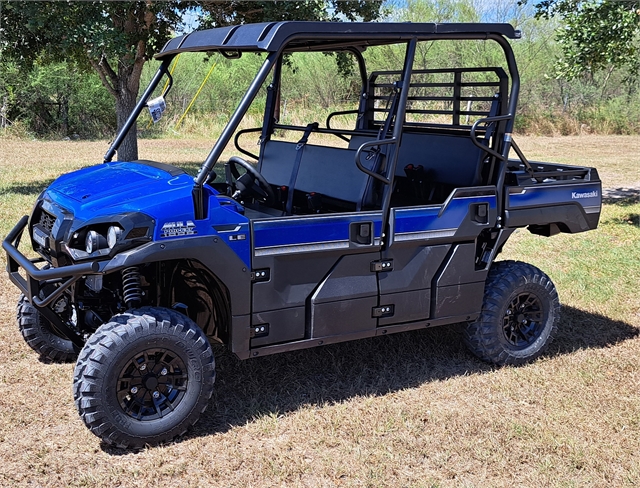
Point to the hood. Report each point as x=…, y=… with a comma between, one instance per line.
x=126, y=185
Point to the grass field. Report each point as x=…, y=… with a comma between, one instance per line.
x=410, y=410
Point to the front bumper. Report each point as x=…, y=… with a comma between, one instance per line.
x=36, y=279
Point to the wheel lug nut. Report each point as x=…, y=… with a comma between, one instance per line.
x=164, y=371
x=134, y=390
x=156, y=395
x=143, y=367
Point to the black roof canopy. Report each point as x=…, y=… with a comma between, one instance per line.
x=299, y=36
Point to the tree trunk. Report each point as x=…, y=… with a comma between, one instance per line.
x=3, y=113
x=133, y=20
x=125, y=103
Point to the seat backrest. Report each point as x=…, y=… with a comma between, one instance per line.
x=452, y=159
x=329, y=171
x=449, y=159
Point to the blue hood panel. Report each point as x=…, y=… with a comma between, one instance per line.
x=127, y=186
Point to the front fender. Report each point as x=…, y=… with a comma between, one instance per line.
x=211, y=251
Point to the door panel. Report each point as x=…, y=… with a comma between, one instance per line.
x=351, y=277
x=320, y=263
x=343, y=317
x=422, y=239
x=459, y=286
x=277, y=326
x=300, y=252
x=408, y=306
x=413, y=266
x=463, y=216
x=345, y=299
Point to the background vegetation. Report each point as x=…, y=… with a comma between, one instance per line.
x=55, y=100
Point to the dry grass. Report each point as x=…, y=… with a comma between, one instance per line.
x=616, y=157
x=410, y=410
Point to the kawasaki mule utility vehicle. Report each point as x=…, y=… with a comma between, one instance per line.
x=383, y=218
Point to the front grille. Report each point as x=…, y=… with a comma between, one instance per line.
x=46, y=221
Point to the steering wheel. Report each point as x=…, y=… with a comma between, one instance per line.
x=252, y=183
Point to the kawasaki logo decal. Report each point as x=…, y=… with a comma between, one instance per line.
x=589, y=194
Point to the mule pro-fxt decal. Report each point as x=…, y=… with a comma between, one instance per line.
x=179, y=228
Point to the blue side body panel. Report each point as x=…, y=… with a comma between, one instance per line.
x=278, y=235
x=588, y=195
x=418, y=223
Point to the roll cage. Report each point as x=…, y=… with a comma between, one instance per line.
x=279, y=38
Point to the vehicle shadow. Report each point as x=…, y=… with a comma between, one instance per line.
x=31, y=188
x=621, y=196
x=275, y=385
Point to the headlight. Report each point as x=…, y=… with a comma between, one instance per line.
x=98, y=239
x=113, y=235
x=94, y=242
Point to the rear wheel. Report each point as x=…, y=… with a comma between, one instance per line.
x=519, y=317
x=40, y=335
x=144, y=377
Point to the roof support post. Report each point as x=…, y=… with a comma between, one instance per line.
x=206, y=169
x=513, y=102
x=397, y=127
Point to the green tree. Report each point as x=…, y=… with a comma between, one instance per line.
x=596, y=34
x=219, y=13
x=116, y=38
x=112, y=38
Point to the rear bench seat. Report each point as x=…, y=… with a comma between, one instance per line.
x=450, y=159
x=329, y=171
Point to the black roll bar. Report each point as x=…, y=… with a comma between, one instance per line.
x=511, y=111
x=485, y=120
x=372, y=144
x=334, y=114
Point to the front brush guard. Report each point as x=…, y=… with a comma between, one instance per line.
x=36, y=279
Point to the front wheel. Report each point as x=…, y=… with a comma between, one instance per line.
x=144, y=378
x=40, y=335
x=519, y=317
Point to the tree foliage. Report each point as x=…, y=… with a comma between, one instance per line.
x=113, y=38
x=56, y=99
x=596, y=34
x=218, y=13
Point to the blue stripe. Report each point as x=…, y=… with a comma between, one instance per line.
x=426, y=218
x=309, y=230
x=546, y=195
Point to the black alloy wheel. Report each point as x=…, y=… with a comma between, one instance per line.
x=144, y=378
x=523, y=320
x=152, y=384
x=519, y=316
